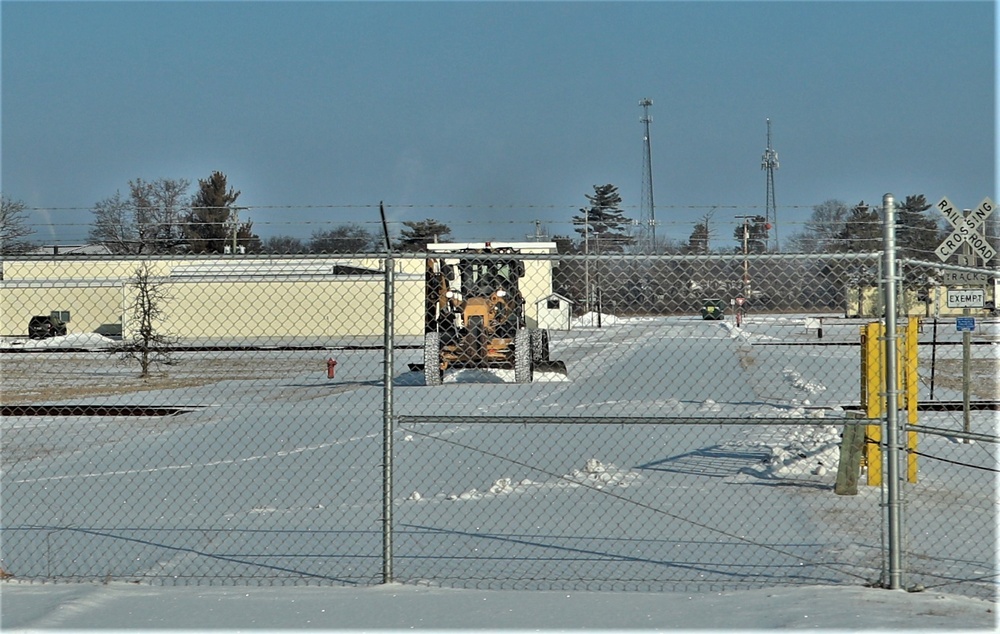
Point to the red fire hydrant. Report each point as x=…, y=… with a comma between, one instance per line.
x=331, y=366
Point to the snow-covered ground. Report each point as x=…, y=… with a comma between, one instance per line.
x=395, y=607
x=278, y=476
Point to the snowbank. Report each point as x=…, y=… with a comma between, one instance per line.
x=86, y=340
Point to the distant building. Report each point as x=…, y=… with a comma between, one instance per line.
x=70, y=249
x=268, y=300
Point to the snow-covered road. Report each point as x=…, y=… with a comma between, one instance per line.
x=279, y=476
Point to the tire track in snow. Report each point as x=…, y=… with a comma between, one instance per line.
x=215, y=463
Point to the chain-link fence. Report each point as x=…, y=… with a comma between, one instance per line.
x=549, y=421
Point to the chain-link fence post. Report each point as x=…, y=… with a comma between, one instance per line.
x=389, y=336
x=891, y=391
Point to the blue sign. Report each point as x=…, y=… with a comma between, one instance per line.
x=965, y=323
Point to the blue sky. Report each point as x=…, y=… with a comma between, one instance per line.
x=489, y=116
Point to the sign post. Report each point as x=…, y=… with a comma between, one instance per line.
x=965, y=234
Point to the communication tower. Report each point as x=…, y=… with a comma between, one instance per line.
x=770, y=163
x=647, y=214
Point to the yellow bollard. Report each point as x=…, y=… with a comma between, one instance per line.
x=873, y=369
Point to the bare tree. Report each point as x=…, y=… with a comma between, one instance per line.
x=349, y=238
x=144, y=343
x=820, y=233
x=283, y=245
x=160, y=206
x=13, y=227
x=115, y=225
x=148, y=221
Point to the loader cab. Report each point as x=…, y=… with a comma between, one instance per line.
x=483, y=277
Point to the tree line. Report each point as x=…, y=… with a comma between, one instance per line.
x=161, y=217
x=835, y=227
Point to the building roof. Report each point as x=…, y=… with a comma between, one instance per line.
x=554, y=295
x=523, y=247
x=70, y=249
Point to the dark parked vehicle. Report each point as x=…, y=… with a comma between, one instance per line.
x=45, y=326
x=713, y=309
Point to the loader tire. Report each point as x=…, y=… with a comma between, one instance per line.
x=432, y=359
x=522, y=356
x=539, y=345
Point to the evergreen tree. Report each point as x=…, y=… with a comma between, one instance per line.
x=917, y=234
x=246, y=238
x=565, y=245
x=210, y=223
x=862, y=233
x=418, y=234
x=603, y=224
x=697, y=244
x=751, y=236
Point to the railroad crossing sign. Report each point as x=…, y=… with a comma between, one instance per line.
x=966, y=230
x=950, y=278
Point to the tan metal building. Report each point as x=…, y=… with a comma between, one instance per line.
x=266, y=300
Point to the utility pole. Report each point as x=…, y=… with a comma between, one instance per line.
x=770, y=163
x=648, y=213
x=746, y=252
x=236, y=226
x=586, y=262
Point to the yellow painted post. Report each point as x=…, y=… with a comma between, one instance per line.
x=912, y=383
x=873, y=454
x=872, y=395
x=863, y=370
x=872, y=383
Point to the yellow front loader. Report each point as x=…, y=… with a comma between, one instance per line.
x=475, y=318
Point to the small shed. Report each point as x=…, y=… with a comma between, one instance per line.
x=554, y=312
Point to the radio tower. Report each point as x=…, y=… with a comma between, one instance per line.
x=647, y=213
x=770, y=163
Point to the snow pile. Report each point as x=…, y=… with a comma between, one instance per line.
x=796, y=409
x=498, y=375
x=599, y=475
x=88, y=340
x=794, y=378
x=502, y=486
x=594, y=474
x=796, y=451
x=709, y=405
